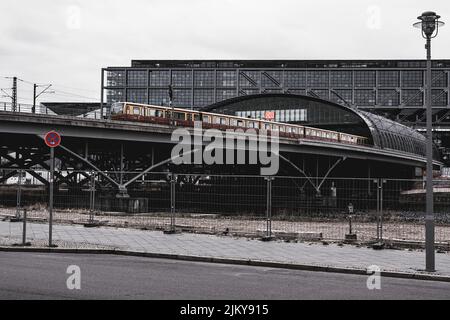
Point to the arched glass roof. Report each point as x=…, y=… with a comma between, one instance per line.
x=382, y=132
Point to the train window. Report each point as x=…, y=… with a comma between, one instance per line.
x=206, y=119
x=276, y=127
x=151, y=112
x=196, y=117
x=241, y=123
x=223, y=121
x=117, y=107
x=288, y=116
x=282, y=129
x=180, y=116
x=136, y=111
x=251, y=124
x=267, y=126
x=233, y=122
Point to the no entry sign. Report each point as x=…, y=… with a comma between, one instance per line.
x=52, y=139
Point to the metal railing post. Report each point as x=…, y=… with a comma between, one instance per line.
x=173, y=179
x=268, y=235
x=19, y=194
x=381, y=209
x=24, y=228
x=377, y=182
x=92, y=199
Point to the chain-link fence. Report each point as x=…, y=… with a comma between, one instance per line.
x=294, y=208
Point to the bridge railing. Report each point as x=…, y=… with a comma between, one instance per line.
x=43, y=110
x=288, y=208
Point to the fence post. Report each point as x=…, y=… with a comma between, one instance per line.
x=91, y=222
x=268, y=236
x=19, y=195
x=377, y=182
x=92, y=198
x=381, y=209
x=24, y=229
x=380, y=219
x=173, y=180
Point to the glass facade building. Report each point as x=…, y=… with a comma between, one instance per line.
x=366, y=84
x=394, y=89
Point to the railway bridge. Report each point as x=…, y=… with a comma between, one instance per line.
x=124, y=154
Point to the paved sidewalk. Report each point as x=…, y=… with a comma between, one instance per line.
x=225, y=247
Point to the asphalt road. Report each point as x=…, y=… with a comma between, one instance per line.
x=43, y=276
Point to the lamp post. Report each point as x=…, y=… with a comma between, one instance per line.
x=172, y=118
x=429, y=24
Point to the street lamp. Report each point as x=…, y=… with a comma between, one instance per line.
x=172, y=119
x=429, y=24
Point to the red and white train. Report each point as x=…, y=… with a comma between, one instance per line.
x=125, y=111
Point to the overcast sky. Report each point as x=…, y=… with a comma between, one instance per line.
x=67, y=42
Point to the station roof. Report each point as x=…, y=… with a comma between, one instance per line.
x=381, y=132
x=71, y=108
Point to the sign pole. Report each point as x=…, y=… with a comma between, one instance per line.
x=50, y=207
x=52, y=140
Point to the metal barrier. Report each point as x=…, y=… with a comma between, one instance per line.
x=366, y=210
x=43, y=110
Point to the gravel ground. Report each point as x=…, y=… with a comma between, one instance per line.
x=211, y=224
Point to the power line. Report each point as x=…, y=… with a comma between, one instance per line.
x=74, y=88
x=63, y=92
x=74, y=94
x=55, y=85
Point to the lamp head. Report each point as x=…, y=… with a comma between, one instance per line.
x=429, y=24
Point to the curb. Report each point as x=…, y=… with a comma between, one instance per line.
x=241, y=262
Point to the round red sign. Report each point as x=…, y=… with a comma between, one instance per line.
x=52, y=139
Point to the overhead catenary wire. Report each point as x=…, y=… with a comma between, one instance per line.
x=56, y=91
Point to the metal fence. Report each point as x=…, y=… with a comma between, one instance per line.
x=295, y=208
x=43, y=110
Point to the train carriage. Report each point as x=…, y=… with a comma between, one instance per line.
x=182, y=117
